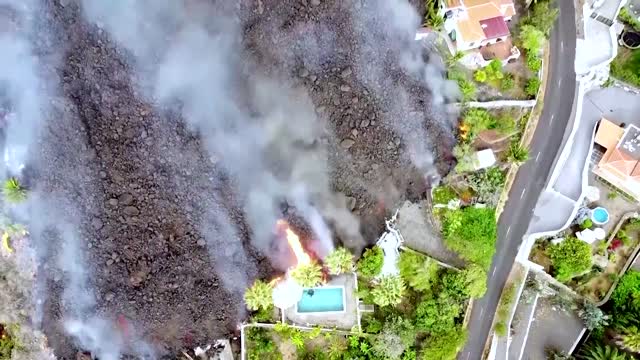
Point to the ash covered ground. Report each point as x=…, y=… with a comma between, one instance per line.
x=171, y=135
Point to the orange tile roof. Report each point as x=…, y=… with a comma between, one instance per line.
x=454, y=3
x=608, y=134
x=470, y=28
x=510, y=11
x=496, y=3
x=619, y=162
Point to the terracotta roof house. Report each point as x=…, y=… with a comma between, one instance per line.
x=620, y=164
x=475, y=23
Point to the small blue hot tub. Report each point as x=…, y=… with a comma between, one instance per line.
x=600, y=215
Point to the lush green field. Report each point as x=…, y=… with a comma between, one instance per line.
x=626, y=66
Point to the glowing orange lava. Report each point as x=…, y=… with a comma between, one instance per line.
x=464, y=130
x=302, y=257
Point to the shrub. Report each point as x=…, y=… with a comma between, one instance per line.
x=417, y=270
x=500, y=329
x=532, y=86
x=480, y=76
x=443, y=194
x=476, y=120
x=505, y=123
x=601, y=352
x=432, y=18
x=370, y=264
x=587, y=224
x=7, y=342
x=487, y=183
x=388, y=291
x=339, y=261
x=259, y=296
x=462, y=153
x=437, y=314
x=507, y=82
x=631, y=339
x=471, y=231
x=626, y=299
x=307, y=275
x=626, y=66
x=494, y=70
x=534, y=63
x=570, y=258
x=593, y=317
x=517, y=153
x=13, y=191
x=531, y=39
x=612, y=195
x=262, y=345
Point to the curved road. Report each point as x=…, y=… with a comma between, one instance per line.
x=532, y=176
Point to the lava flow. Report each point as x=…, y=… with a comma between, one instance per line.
x=302, y=258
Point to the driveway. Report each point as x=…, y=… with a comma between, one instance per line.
x=531, y=178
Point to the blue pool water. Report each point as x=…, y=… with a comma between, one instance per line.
x=321, y=300
x=600, y=215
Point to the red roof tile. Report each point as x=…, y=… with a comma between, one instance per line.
x=494, y=27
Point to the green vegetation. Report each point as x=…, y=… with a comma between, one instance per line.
x=626, y=66
x=531, y=39
x=446, y=345
x=443, y=194
x=370, y=264
x=418, y=271
x=517, y=153
x=508, y=82
x=432, y=19
x=593, y=317
x=586, y=224
x=388, y=291
x=534, y=62
x=307, y=275
x=626, y=300
x=504, y=309
x=569, y=258
x=532, y=86
x=541, y=16
x=487, y=183
x=467, y=88
x=627, y=18
x=7, y=341
x=261, y=346
x=258, y=296
x=631, y=339
x=463, y=155
x=602, y=352
x=471, y=231
x=13, y=191
x=339, y=261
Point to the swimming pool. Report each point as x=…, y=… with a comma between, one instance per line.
x=321, y=300
x=600, y=215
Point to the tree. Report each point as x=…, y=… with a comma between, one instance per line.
x=480, y=76
x=494, y=70
x=601, y=352
x=307, y=275
x=445, y=346
x=462, y=153
x=437, y=314
x=476, y=120
x=517, y=153
x=388, y=291
x=370, y=264
x=471, y=231
x=339, y=261
x=531, y=38
x=432, y=18
x=534, y=63
x=13, y=191
x=417, y=270
x=452, y=60
x=542, y=17
x=258, y=296
x=569, y=258
x=396, y=336
x=631, y=339
x=475, y=279
x=532, y=86
x=593, y=317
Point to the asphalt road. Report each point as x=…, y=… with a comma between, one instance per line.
x=532, y=176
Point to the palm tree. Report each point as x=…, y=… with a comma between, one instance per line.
x=602, y=352
x=13, y=191
x=452, y=60
x=258, y=296
x=631, y=339
x=339, y=261
x=308, y=275
x=593, y=317
x=389, y=291
x=517, y=153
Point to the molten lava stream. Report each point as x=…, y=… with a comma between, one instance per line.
x=302, y=258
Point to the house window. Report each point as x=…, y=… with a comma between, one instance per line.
x=498, y=39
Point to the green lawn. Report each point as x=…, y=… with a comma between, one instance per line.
x=626, y=66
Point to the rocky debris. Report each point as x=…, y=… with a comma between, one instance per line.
x=125, y=199
x=345, y=88
x=315, y=2
x=347, y=143
x=346, y=73
x=96, y=223
x=131, y=211
x=351, y=202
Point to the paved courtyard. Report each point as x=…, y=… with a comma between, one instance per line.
x=343, y=320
